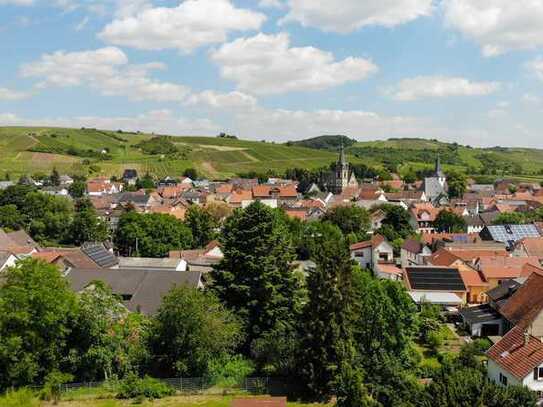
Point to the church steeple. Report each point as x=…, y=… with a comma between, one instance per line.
x=439, y=171
x=342, y=158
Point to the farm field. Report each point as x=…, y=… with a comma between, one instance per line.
x=92, y=152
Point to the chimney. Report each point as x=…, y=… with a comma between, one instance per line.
x=526, y=338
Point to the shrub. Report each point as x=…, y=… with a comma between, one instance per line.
x=435, y=340
x=23, y=397
x=229, y=371
x=52, y=389
x=134, y=387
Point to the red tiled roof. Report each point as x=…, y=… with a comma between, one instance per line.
x=514, y=356
x=239, y=196
x=504, y=267
x=526, y=303
x=282, y=191
x=533, y=246
x=430, y=238
x=375, y=241
x=443, y=257
x=224, y=189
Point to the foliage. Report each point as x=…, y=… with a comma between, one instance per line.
x=457, y=183
x=449, y=222
x=77, y=189
x=22, y=397
x=255, y=278
x=157, y=145
x=110, y=340
x=86, y=226
x=229, y=370
x=510, y=218
x=52, y=388
x=133, y=387
x=325, y=142
x=35, y=302
x=326, y=341
x=351, y=390
x=190, y=330
x=202, y=224
x=10, y=217
x=151, y=235
x=350, y=219
x=191, y=173
x=396, y=224
x=145, y=182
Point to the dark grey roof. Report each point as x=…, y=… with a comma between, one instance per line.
x=99, y=254
x=412, y=246
x=21, y=238
x=133, y=197
x=142, y=290
x=503, y=291
x=479, y=314
x=435, y=278
x=474, y=220
x=130, y=174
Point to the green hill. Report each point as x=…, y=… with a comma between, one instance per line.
x=93, y=152
x=416, y=154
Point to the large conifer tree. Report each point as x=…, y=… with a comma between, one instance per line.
x=255, y=278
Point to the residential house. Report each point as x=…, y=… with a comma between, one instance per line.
x=414, y=253
x=517, y=358
x=140, y=290
x=529, y=247
x=473, y=279
x=152, y=264
x=130, y=176
x=375, y=255
x=103, y=186
x=423, y=217
x=509, y=234
x=202, y=260
x=7, y=259
x=496, y=269
x=433, y=280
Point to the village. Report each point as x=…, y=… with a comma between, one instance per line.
x=484, y=274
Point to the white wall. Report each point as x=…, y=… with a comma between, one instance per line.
x=534, y=385
x=494, y=371
x=365, y=261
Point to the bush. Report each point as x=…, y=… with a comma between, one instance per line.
x=19, y=398
x=52, y=389
x=435, y=340
x=134, y=387
x=229, y=371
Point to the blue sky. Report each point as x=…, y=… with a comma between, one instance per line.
x=469, y=71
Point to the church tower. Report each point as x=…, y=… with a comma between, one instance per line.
x=439, y=174
x=342, y=173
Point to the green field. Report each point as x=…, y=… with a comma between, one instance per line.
x=27, y=151
x=76, y=151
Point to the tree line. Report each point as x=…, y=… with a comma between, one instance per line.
x=324, y=324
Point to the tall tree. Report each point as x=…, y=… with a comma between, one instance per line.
x=151, y=234
x=350, y=219
x=449, y=222
x=326, y=339
x=86, y=225
x=54, y=178
x=202, y=224
x=457, y=183
x=255, y=279
x=36, y=311
x=191, y=330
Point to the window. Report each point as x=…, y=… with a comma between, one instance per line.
x=503, y=379
x=538, y=373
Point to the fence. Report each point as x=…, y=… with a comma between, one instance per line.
x=200, y=385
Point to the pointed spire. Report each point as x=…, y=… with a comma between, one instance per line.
x=439, y=171
x=342, y=158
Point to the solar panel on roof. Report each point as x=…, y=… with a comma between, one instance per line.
x=98, y=253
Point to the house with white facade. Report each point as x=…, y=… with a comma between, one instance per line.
x=413, y=253
x=377, y=255
x=517, y=358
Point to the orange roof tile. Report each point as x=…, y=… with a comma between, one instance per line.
x=516, y=357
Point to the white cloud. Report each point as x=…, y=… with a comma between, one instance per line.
x=190, y=25
x=9, y=94
x=229, y=101
x=424, y=87
x=531, y=99
x=158, y=121
x=265, y=64
x=107, y=70
x=498, y=26
x=536, y=66
x=17, y=2
x=350, y=15
x=271, y=4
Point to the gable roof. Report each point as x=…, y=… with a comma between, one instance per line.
x=514, y=355
x=143, y=290
x=434, y=278
x=512, y=233
x=443, y=257
x=99, y=254
x=413, y=246
x=532, y=246
x=526, y=303
x=504, y=267
x=375, y=241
